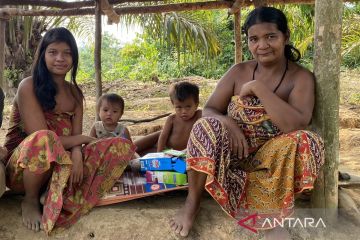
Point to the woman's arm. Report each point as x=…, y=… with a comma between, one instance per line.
x=165, y=133
x=93, y=132
x=76, y=154
x=127, y=134
x=31, y=112
x=294, y=114
x=217, y=104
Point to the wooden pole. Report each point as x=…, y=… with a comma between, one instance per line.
x=97, y=51
x=2, y=53
x=327, y=61
x=237, y=33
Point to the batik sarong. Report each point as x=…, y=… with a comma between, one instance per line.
x=103, y=163
x=279, y=165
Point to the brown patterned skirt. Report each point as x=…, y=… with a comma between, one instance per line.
x=265, y=182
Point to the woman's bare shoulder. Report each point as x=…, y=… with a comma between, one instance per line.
x=25, y=88
x=26, y=83
x=302, y=74
x=243, y=67
x=75, y=91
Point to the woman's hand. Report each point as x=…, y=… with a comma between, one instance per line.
x=87, y=139
x=77, y=167
x=238, y=143
x=248, y=88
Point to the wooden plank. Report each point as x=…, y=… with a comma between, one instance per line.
x=97, y=52
x=353, y=182
x=148, y=9
x=327, y=60
x=63, y=4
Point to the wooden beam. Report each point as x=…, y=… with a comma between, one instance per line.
x=97, y=52
x=64, y=5
x=237, y=35
x=327, y=61
x=176, y=7
x=236, y=6
x=108, y=10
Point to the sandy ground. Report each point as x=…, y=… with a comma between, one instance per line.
x=147, y=218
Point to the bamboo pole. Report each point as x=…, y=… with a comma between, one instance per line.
x=97, y=52
x=2, y=52
x=237, y=33
x=327, y=60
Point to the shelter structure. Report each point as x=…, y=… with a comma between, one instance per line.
x=327, y=59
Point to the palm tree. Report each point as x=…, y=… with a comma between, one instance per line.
x=23, y=35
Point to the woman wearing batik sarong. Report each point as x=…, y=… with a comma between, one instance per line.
x=249, y=149
x=45, y=142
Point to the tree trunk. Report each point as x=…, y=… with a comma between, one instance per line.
x=327, y=60
x=237, y=32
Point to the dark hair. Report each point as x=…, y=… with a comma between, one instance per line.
x=44, y=86
x=184, y=90
x=112, y=98
x=276, y=16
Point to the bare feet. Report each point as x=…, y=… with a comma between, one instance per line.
x=184, y=219
x=277, y=233
x=31, y=213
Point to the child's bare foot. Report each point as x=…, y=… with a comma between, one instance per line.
x=31, y=213
x=184, y=219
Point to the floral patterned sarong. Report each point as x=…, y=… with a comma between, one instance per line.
x=104, y=162
x=279, y=165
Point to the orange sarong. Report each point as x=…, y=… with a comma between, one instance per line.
x=279, y=165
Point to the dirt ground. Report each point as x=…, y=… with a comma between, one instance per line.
x=148, y=217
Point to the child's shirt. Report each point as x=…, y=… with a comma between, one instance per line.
x=101, y=132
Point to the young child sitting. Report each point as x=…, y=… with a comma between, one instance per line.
x=110, y=108
x=184, y=97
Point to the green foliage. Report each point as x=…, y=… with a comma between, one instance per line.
x=110, y=55
x=351, y=36
x=201, y=43
x=138, y=60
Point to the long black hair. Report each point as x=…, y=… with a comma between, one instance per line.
x=44, y=85
x=276, y=16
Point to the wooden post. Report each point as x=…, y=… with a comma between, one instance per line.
x=2, y=52
x=97, y=51
x=237, y=32
x=327, y=60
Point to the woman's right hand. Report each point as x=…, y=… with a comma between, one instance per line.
x=238, y=143
x=87, y=139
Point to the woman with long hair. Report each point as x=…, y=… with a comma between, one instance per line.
x=46, y=145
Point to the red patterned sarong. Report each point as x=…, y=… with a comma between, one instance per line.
x=279, y=165
x=104, y=162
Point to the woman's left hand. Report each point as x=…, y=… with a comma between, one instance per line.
x=248, y=88
x=77, y=167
